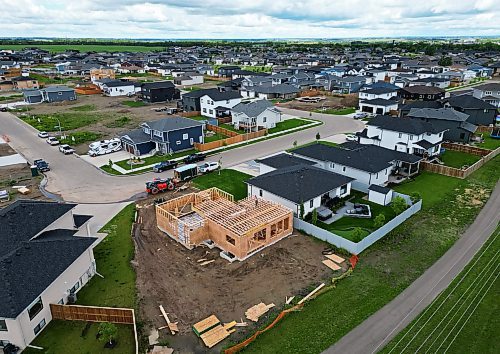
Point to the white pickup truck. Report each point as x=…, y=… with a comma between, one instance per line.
x=208, y=167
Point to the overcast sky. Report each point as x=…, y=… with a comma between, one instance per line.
x=167, y=19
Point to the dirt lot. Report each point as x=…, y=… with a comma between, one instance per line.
x=6, y=150
x=329, y=102
x=168, y=274
x=19, y=175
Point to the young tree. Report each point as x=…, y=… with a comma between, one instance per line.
x=301, y=211
x=314, y=218
x=108, y=332
x=357, y=234
x=110, y=163
x=294, y=144
x=318, y=136
x=399, y=205
x=379, y=221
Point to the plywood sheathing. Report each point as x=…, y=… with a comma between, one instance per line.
x=330, y=264
x=335, y=258
x=254, y=312
x=205, y=325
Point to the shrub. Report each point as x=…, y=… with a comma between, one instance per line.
x=379, y=221
x=107, y=331
x=415, y=197
x=357, y=234
x=314, y=218
x=399, y=205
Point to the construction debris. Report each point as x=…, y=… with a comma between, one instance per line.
x=205, y=325
x=215, y=335
x=311, y=293
x=288, y=300
x=207, y=262
x=335, y=258
x=211, y=331
x=330, y=264
x=254, y=312
x=171, y=325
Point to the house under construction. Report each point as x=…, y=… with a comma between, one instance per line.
x=211, y=217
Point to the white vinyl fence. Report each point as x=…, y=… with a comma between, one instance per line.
x=353, y=247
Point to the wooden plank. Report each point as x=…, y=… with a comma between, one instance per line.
x=335, y=258
x=330, y=264
x=312, y=293
x=214, y=336
x=289, y=300
x=172, y=326
x=207, y=262
x=230, y=325
x=205, y=324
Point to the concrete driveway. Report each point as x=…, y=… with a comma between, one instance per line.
x=78, y=181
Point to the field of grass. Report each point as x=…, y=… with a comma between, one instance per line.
x=465, y=318
x=80, y=138
x=489, y=142
x=69, y=120
x=230, y=181
x=118, y=122
x=215, y=137
x=56, y=48
x=116, y=289
x=340, y=111
x=387, y=267
x=134, y=103
x=231, y=128
x=458, y=159
x=198, y=118
x=288, y=124
x=11, y=97
x=56, y=80
x=84, y=108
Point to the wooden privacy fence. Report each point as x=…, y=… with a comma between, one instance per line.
x=237, y=138
x=189, y=114
x=92, y=314
x=484, y=129
x=473, y=150
x=221, y=130
x=457, y=172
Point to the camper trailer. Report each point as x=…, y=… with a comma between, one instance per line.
x=104, y=147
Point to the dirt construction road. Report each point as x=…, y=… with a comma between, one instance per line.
x=75, y=180
x=374, y=333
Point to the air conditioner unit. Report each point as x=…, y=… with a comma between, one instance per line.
x=72, y=298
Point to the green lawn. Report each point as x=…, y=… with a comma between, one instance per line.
x=288, y=124
x=118, y=122
x=154, y=159
x=134, y=103
x=84, y=108
x=80, y=138
x=230, y=181
x=56, y=80
x=435, y=329
x=198, y=118
x=458, y=159
x=116, y=289
x=386, y=268
x=11, y=97
x=215, y=137
x=231, y=128
x=338, y=111
x=489, y=142
x=69, y=120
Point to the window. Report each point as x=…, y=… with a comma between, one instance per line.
x=400, y=135
x=343, y=169
x=332, y=165
x=311, y=203
x=211, y=111
x=59, y=93
x=184, y=136
x=411, y=137
x=488, y=93
x=204, y=110
x=35, y=308
x=260, y=192
x=75, y=287
x=441, y=135
x=39, y=326
x=191, y=141
x=178, y=142
x=3, y=326
x=376, y=176
x=486, y=110
x=157, y=133
x=201, y=100
x=285, y=224
x=230, y=240
x=146, y=130
x=264, y=119
x=343, y=189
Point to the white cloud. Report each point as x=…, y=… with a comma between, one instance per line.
x=247, y=19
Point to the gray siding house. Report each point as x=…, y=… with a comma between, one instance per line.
x=50, y=94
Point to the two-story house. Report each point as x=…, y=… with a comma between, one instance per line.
x=218, y=104
x=480, y=112
x=422, y=93
x=403, y=134
x=166, y=136
x=378, y=100
x=489, y=93
x=256, y=115
x=159, y=91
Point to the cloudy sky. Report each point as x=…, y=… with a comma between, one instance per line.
x=248, y=18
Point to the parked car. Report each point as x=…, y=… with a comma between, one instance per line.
x=42, y=165
x=194, y=158
x=351, y=137
x=52, y=141
x=165, y=165
x=4, y=109
x=208, y=167
x=360, y=115
x=66, y=149
x=43, y=135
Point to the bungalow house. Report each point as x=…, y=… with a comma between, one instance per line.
x=366, y=164
x=454, y=122
x=189, y=78
x=50, y=94
x=114, y=88
x=159, y=91
x=253, y=116
x=431, y=81
x=403, y=134
x=167, y=136
x=422, y=93
x=42, y=262
x=298, y=185
x=480, y=112
x=489, y=93
x=218, y=104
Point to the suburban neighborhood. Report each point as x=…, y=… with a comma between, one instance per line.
x=260, y=196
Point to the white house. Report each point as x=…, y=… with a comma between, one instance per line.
x=115, y=88
x=219, y=103
x=252, y=116
x=377, y=106
x=408, y=135
x=42, y=263
x=189, y=78
x=299, y=185
x=377, y=92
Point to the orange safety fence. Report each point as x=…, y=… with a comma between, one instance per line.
x=236, y=348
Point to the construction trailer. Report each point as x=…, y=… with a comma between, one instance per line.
x=212, y=217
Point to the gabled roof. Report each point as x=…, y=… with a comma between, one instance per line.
x=217, y=95
x=469, y=102
x=423, y=90
x=380, y=102
x=299, y=183
x=284, y=160
x=253, y=109
x=29, y=265
x=439, y=113
x=157, y=85
x=488, y=87
x=172, y=123
x=379, y=90
x=403, y=125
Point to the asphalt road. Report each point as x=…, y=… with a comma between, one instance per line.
x=375, y=332
x=75, y=180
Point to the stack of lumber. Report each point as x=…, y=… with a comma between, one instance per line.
x=254, y=312
x=332, y=261
x=205, y=325
x=211, y=331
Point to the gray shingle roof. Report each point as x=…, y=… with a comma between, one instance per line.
x=253, y=109
x=380, y=102
x=439, y=113
x=403, y=125
x=172, y=123
x=299, y=183
x=284, y=160
x=469, y=102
